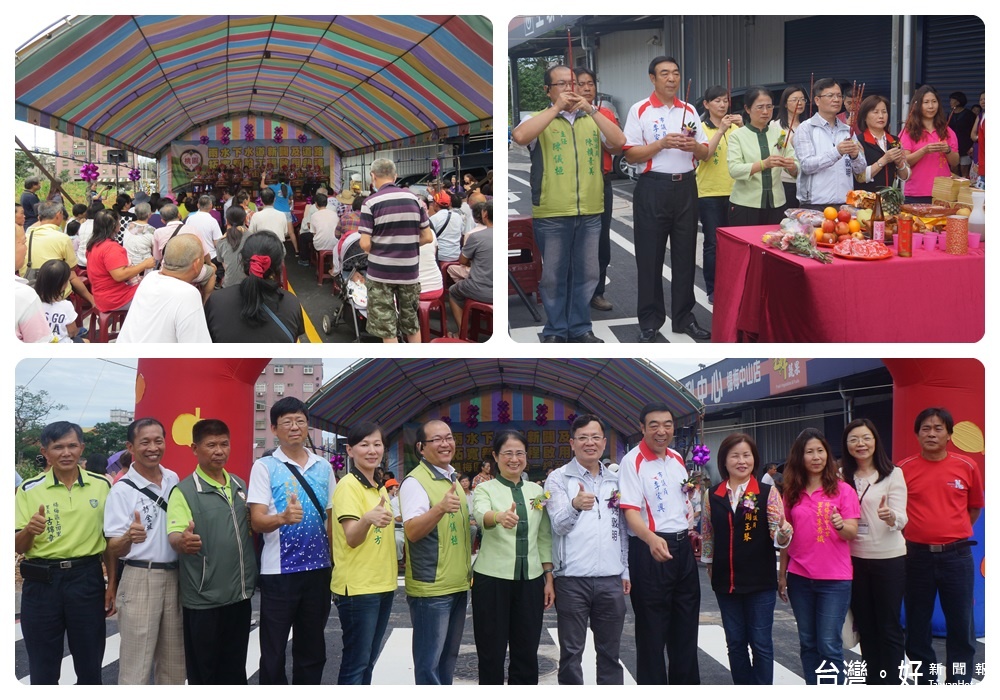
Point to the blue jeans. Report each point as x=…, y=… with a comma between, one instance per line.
x=820, y=608
x=950, y=576
x=713, y=213
x=747, y=620
x=363, y=619
x=438, y=623
x=569, y=272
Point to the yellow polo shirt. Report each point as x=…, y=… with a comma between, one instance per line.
x=370, y=567
x=74, y=516
x=713, y=174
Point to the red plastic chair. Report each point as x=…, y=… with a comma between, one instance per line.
x=526, y=266
x=105, y=326
x=477, y=318
x=424, y=310
x=323, y=258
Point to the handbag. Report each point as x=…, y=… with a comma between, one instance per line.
x=850, y=637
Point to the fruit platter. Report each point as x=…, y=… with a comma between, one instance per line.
x=863, y=249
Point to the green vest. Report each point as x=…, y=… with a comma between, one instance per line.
x=566, y=178
x=440, y=563
x=225, y=570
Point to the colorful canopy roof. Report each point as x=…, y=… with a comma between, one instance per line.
x=393, y=392
x=138, y=81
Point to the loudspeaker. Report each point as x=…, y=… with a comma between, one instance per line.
x=117, y=157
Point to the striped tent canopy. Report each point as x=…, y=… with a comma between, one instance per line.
x=138, y=82
x=394, y=392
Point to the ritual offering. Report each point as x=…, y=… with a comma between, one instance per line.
x=794, y=238
x=905, y=243
x=957, y=235
x=865, y=249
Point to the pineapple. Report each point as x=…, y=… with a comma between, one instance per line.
x=892, y=200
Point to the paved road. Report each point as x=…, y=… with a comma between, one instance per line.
x=619, y=324
x=395, y=664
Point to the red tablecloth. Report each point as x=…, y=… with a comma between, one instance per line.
x=765, y=295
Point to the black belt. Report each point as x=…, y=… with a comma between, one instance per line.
x=66, y=563
x=169, y=565
x=935, y=548
x=673, y=177
x=674, y=536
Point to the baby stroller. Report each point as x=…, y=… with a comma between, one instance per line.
x=349, y=265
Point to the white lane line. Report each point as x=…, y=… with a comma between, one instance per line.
x=518, y=179
x=67, y=674
x=395, y=664
x=712, y=640
x=590, y=659
x=18, y=634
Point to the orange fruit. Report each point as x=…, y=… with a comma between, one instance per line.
x=854, y=225
x=830, y=213
x=818, y=233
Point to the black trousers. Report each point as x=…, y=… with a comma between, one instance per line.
x=604, y=243
x=877, y=601
x=665, y=210
x=666, y=597
x=215, y=644
x=305, y=245
x=298, y=602
x=507, y=614
x=750, y=216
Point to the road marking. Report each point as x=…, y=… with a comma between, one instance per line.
x=67, y=674
x=310, y=328
x=590, y=659
x=395, y=663
x=712, y=641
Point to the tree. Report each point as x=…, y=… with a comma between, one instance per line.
x=105, y=439
x=531, y=79
x=23, y=167
x=30, y=412
x=64, y=175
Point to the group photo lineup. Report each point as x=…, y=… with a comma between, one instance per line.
x=742, y=178
x=254, y=179
x=482, y=521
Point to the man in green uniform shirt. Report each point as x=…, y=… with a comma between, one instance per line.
x=208, y=525
x=59, y=527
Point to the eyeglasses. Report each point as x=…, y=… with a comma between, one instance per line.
x=293, y=423
x=563, y=84
x=440, y=438
x=832, y=96
x=511, y=454
x=762, y=108
x=867, y=439
x=588, y=438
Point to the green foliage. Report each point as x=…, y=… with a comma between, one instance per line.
x=105, y=439
x=530, y=76
x=30, y=412
x=23, y=167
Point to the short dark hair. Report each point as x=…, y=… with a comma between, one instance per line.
x=943, y=413
x=320, y=199
x=57, y=430
x=751, y=95
x=358, y=203
x=654, y=407
x=548, y=73
x=585, y=71
x=661, y=59
x=960, y=96
x=867, y=105
x=267, y=196
x=140, y=423
x=79, y=209
x=821, y=85
x=287, y=406
x=713, y=93
x=30, y=182
x=583, y=421
x=727, y=445
x=504, y=436
x=422, y=430
x=359, y=431
x=209, y=427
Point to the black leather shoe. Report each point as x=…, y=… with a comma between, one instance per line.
x=647, y=335
x=587, y=337
x=601, y=304
x=696, y=331
x=553, y=339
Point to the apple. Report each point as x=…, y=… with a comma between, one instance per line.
x=183, y=426
x=844, y=215
x=829, y=226
x=842, y=228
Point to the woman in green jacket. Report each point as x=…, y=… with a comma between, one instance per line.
x=758, y=152
x=512, y=584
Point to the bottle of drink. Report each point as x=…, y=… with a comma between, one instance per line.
x=878, y=220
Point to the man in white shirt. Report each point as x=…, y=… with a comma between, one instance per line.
x=204, y=224
x=770, y=470
x=666, y=593
x=590, y=556
x=270, y=219
x=148, y=602
x=167, y=307
x=323, y=226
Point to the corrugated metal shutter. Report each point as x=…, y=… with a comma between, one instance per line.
x=953, y=55
x=813, y=46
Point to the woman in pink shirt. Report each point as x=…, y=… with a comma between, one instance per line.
x=931, y=147
x=815, y=572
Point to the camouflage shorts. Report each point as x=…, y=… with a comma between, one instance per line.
x=382, y=302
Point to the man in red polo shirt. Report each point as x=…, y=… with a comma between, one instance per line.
x=944, y=499
x=586, y=87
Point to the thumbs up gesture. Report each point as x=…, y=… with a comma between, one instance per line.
x=190, y=542
x=836, y=520
x=784, y=530
x=293, y=511
x=507, y=518
x=451, y=503
x=136, y=532
x=885, y=513
x=584, y=500
x=36, y=525
x=379, y=516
